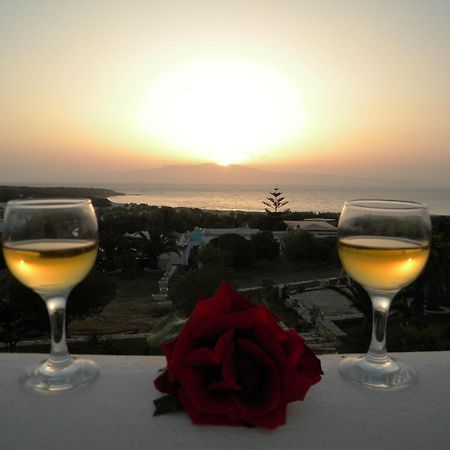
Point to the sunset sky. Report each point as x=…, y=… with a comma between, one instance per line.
x=350, y=87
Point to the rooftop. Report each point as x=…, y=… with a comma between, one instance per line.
x=310, y=225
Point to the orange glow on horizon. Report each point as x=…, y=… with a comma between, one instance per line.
x=120, y=86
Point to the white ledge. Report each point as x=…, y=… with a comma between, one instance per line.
x=115, y=412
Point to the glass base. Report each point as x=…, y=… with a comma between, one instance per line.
x=389, y=375
x=47, y=378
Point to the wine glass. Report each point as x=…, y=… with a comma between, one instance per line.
x=50, y=245
x=383, y=245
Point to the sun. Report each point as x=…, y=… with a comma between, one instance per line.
x=223, y=111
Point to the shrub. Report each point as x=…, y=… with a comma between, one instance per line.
x=268, y=223
x=90, y=296
x=416, y=339
x=186, y=290
x=23, y=313
x=212, y=256
x=303, y=247
x=298, y=246
x=265, y=246
x=241, y=249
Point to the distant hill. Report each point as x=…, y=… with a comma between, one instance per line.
x=97, y=195
x=225, y=175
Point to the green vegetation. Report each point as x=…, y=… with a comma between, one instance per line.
x=214, y=256
x=265, y=247
x=276, y=201
x=273, y=297
x=239, y=249
x=267, y=222
x=419, y=322
x=98, y=195
x=186, y=290
x=301, y=246
x=426, y=338
x=23, y=313
x=126, y=250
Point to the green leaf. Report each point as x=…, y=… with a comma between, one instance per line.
x=167, y=404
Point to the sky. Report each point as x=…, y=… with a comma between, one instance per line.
x=349, y=87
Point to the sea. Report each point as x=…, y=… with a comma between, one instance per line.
x=250, y=197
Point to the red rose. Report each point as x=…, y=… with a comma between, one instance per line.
x=232, y=364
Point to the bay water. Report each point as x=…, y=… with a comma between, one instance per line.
x=250, y=197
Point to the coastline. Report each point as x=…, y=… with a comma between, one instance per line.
x=98, y=196
x=222, y=199
x=317, y=199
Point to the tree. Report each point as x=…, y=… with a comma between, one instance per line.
x=23, y=313
x=90, y=296
x=432, y=288
x=275, y=202
x=301, y=246
x=268, y=222
x=112, y=244
x=241, y=249
x=265, y=246
x=155, y=242
x=212, y=256
x=298, y=246
x=186, y=290
x=422, y=338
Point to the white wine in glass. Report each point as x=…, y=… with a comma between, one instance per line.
x=47, y=265
x=383, y=245
x=50, y=246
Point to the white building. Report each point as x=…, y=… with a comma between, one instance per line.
x=202, y=236
x=318, y=228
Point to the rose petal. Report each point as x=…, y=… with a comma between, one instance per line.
x=235, y=301
x=202, y=357
x=168, y=347
x=202, y=418
x=229, y=370
x=219, y=302
x=298, y=379
x=218, y=324
x=225, y=300
x=310, y=363
x=249, y=382
x=223, y=344
x=255, y=352
x=297, y=385
x=182, y=348
x=264, y=399
x=248, y=373
x=238, y=301
x=218, y=386
x=294, y=347
x=268, y=342
x=264, y=317
x=163, y=384
x=194, y=383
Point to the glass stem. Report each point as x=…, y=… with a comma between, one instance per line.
x=380, y=307
x=56, y=307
